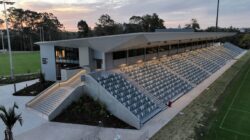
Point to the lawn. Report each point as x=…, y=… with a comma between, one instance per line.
x=24, y=62
x=233, y=119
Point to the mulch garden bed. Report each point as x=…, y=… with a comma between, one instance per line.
x=18, y=78
x=89, y=112
x=34, y=89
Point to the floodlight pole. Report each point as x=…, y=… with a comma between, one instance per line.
x=9, y=44
x=217, y=16
x=2, y=40
x=41, y=31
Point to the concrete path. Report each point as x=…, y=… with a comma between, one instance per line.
x=30, y=119
x=62, y=131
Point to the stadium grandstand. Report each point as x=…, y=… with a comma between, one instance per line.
x=136, y=76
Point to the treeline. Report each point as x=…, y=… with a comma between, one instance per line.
x=107, y=26
x=27, y=27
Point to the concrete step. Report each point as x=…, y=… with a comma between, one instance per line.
x=49, y=103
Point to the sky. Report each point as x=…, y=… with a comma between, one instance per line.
x=174, y=12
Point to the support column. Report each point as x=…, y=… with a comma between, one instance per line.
x=127, y=57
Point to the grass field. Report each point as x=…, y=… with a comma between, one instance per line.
x=24, y=62
x=233, y=120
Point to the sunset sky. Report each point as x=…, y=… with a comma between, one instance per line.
x=174, y=12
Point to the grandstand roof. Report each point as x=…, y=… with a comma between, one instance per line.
x=134, y=40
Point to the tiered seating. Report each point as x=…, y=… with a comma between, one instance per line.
x=220, y=51
x=161, y=83
x=233, y=48
x=186, y=69
x=233, y=54
x=205, y=53
x=202, y=62
x=140, y=105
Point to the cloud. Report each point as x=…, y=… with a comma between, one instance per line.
x=174, y=12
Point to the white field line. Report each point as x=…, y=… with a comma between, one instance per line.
x=239, y=110
x=238, y=91
x=236, y=132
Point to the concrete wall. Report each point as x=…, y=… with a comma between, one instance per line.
x=83, y=56
x=108, y=60
x=98, y=55
x=66, y=74
x=151, y=56
x=97, y=92
x=74, y=96
x=49, y=70
x=163, y=53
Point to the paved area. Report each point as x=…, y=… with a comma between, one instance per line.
x=52, y=131
x=30, y=119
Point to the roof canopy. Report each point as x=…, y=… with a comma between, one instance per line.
x=135, y=40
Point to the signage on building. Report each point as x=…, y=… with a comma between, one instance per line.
x=45, y=60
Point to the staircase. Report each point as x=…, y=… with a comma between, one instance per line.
x=53, y=100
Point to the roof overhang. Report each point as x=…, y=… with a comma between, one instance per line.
x=136, y=40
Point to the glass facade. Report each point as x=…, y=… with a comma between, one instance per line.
x=67, y=55
x=136, y=52
x=119, y=55
x=152, y=50
x=66, y=58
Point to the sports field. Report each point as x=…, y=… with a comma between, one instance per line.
x=24, y=62
x=233, y=120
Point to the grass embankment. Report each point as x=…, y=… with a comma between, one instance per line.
x=220, y=112
x=24, y=62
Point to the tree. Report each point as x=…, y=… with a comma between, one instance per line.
x=194, y=25
x=1, y=23
x=83, y=29
x=132, y=28
x=10, y=118
x=105, y=20
x=2, y=33
x=146, y=23
x=220, y=29
x=107, y=26
x=51, y=26
x=135, y=20
x=245, y=41
x=26, y=25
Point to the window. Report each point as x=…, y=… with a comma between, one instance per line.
x=67, y=55
x=174, y=46
x=164, y=48
x=119, y=55
x=182, y=45
x=136, y=52
x=190, y=44
x=151, y=50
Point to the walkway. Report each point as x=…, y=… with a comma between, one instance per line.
x=30, y=119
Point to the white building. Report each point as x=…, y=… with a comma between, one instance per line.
x=136, y=75
x=107, y=52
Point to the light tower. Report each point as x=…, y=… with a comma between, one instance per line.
x=218, y=6
x=8, y=36
x=9, y=44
